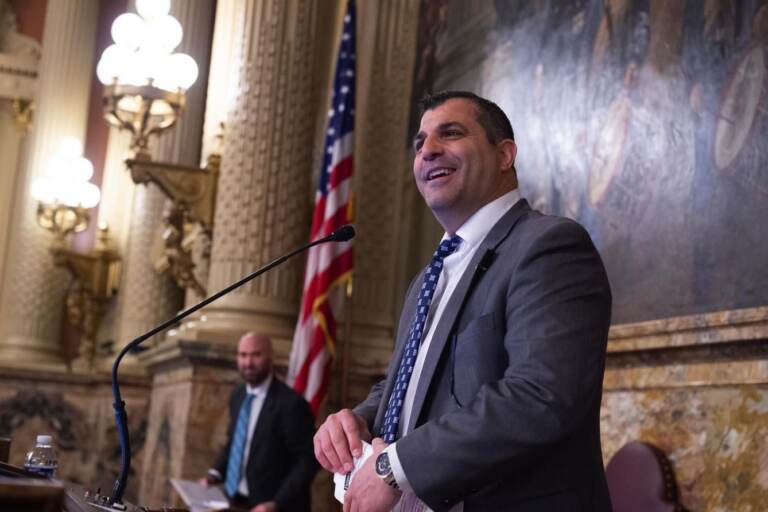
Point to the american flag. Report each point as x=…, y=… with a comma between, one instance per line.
x=328, y=265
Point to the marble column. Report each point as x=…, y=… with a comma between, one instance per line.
x=33, y=289
x=386, y=55
x=11, y=140
x=146, y=297
x=262, y=207
x=222, y=89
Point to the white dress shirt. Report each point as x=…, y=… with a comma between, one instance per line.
x=472, y=233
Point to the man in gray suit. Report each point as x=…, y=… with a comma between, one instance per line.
x=492, y=397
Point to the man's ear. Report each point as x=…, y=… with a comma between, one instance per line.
x=508, y=152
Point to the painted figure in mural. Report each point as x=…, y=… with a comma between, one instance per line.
x=267, y=463
x=492, y=397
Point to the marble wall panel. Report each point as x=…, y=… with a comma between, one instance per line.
x=189, y=411
x=715, y=438
x=77, y=412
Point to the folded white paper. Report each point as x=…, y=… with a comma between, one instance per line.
x=342, y=481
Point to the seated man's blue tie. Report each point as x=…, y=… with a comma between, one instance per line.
x=395, y=405
x=238, y=446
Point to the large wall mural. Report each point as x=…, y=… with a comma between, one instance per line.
x=646, y=120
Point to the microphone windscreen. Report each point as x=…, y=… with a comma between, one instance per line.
x=343, y=234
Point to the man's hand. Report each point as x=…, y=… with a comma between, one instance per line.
x=368, y=492
x=267, y=506
x=339, y=439
x=207, y=480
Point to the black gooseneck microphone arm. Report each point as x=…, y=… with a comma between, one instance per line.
x=342, y=234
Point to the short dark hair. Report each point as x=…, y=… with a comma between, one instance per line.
x=489, y=115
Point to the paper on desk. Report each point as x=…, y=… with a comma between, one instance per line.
x=200, y=498
x=343, y=480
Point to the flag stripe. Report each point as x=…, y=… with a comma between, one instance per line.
x=321, y=281
x=330, y=264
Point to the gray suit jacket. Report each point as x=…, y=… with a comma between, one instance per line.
x=506, y=413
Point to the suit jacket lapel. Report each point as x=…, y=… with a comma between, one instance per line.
x=498, y=233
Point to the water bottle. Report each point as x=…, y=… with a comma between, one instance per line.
x=42, y=459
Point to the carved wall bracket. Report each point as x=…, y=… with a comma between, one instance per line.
x=192, y=191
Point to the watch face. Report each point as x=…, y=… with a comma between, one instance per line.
x=382, y=465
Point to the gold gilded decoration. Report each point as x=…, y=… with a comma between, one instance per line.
x=96, y=276
x=22, y=111
x=192, y=192
x=62, y=220
x=142, y=110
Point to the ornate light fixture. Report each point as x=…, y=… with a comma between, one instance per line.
x=19, y=60
x=145, y=81
x=145, y=92
x=64, y=193
x=65, y=197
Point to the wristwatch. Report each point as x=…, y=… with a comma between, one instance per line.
x=384, y=470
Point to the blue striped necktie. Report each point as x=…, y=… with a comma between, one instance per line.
x=395, y=406
x=238, y=446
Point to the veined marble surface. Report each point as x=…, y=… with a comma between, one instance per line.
x=696, y=387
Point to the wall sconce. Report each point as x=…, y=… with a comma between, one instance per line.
x=145, y=92
x=64, y=197
x=64, y=193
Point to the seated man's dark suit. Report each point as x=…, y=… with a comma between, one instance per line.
x=281, y=461
x=507, y=409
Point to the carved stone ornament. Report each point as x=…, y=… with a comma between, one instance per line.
x=188, y=216
x=67, y=421
x=19, y=59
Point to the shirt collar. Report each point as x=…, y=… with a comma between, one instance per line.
x=475, y=228
x=261, y=389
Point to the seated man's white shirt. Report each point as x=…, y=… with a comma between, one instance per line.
x=472, y=233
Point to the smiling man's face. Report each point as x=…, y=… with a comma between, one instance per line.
x=457, y=169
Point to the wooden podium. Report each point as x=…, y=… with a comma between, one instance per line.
x=22, y=490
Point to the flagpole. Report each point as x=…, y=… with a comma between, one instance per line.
x=343, y=399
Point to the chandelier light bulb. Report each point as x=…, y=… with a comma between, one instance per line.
x=150, y=63
x=128, y=30
x=164, y=34
x=132, y=70
x=89, y=195
x=66, y=179
x=110, y=63
x=153, y=8
x=43, y=190
x=81, y=169
x=184, y=68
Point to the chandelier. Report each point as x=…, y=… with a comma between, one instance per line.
x=145, y=81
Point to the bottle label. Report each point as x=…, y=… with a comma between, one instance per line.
x=46, y=471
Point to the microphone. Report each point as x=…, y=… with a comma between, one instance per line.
x=343, y=234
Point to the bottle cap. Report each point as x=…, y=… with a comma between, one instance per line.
x=44, y=439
